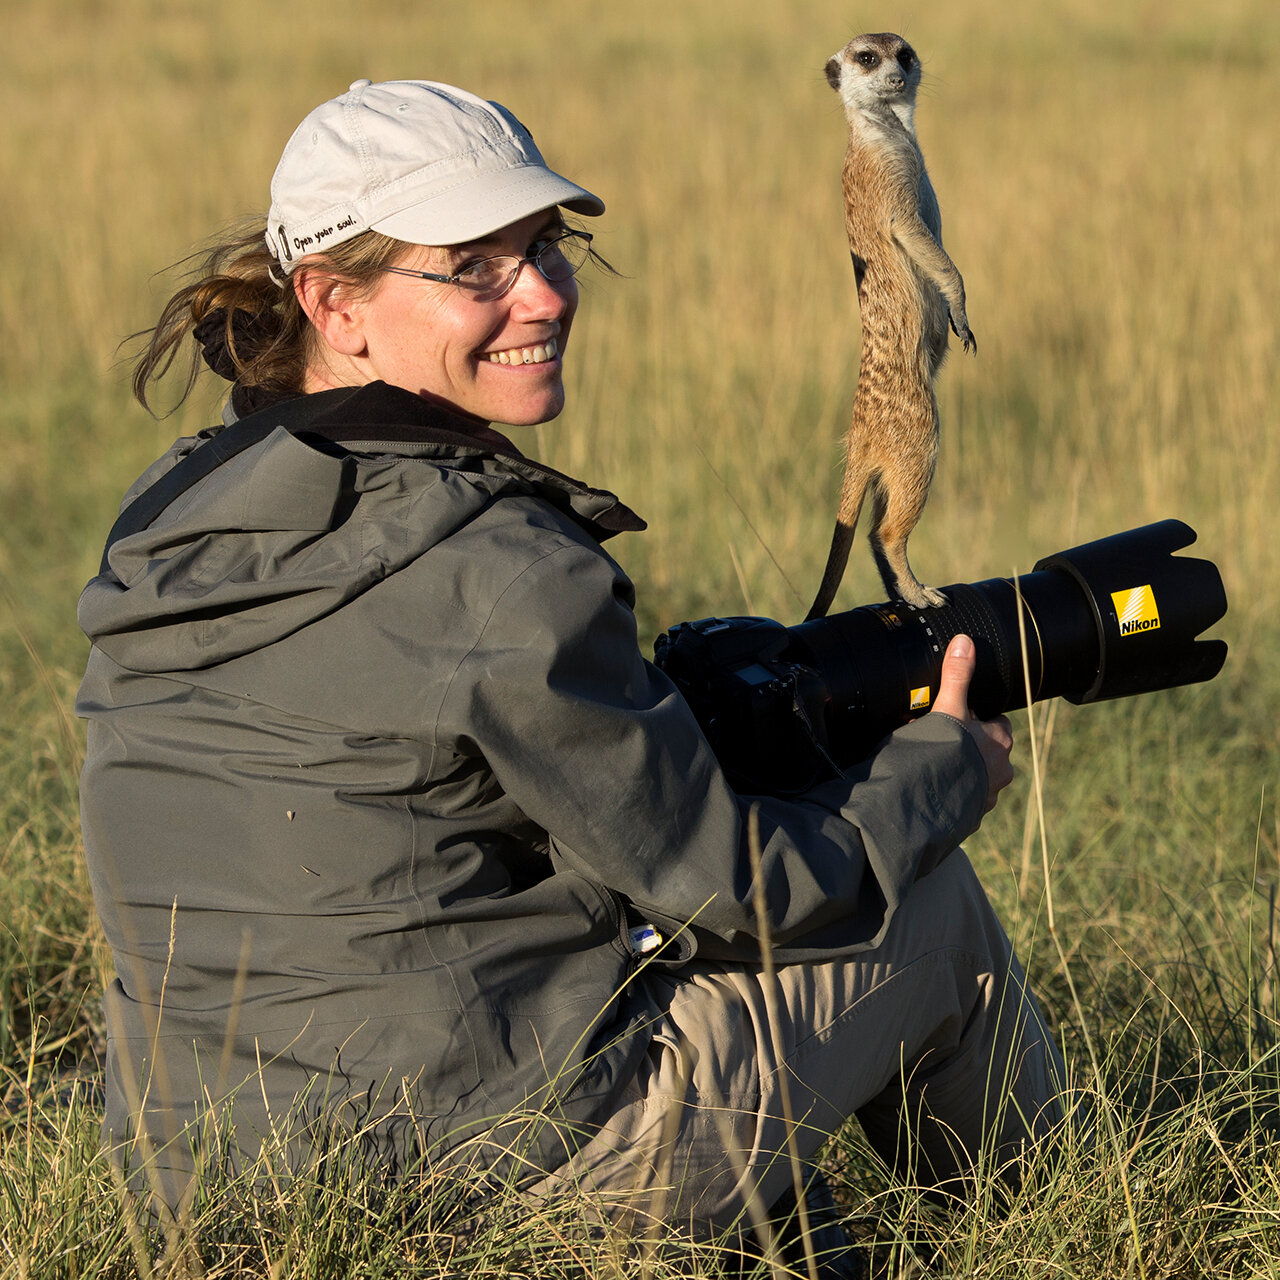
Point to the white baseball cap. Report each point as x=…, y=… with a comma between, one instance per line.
x=416, y=160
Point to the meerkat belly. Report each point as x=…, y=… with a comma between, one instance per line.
x=899, y=325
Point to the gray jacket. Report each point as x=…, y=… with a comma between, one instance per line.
x=377, y=779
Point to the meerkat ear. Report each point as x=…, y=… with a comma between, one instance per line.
x=833, y=72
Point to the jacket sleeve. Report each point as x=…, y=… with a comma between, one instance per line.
x=597, y=746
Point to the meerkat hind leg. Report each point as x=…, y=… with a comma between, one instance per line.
x=892, y=521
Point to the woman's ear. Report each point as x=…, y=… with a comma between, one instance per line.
x=337, y=315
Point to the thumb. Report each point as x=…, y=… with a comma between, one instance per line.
x=957, y=671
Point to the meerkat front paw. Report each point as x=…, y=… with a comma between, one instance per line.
x=960, y=327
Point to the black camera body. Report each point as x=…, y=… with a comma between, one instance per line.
x=785, y=708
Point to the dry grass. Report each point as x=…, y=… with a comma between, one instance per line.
x=1110, y=191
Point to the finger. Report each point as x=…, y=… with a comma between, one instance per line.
x=957, y=671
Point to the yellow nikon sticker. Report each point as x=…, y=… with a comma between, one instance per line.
x=920, y=698
x=1136, y=610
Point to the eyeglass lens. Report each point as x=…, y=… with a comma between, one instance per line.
x=492, y=277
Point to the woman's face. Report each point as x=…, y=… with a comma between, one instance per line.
x=500, y=361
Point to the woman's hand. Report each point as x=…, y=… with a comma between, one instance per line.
x=994, y=737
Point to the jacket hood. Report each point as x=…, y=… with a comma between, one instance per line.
x=360, y=482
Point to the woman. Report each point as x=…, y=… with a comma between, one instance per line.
x=384, y=810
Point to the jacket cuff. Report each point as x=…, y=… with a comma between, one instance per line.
x=915, y=800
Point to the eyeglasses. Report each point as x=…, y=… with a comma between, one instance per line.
x=488, y=279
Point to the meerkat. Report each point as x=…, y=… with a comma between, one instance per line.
x=908, y=292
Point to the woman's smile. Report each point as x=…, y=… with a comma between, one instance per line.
x=538, y=354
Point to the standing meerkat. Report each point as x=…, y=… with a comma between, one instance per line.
x=908, y=292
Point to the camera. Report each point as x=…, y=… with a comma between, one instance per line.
x=785, y=708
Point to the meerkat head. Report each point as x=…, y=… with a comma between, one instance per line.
x=874, y=72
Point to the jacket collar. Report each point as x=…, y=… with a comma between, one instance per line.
x=379, y=414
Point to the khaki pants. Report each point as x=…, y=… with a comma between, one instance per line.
x=932, y=1040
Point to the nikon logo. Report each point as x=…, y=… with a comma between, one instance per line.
x=920, y=698
x=1136, y=610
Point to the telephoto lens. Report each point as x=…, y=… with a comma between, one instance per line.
x=784, y=707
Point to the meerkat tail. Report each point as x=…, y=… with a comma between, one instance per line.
x=858, y=478
x=833, y=574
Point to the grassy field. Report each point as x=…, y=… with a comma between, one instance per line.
x=1108, y=180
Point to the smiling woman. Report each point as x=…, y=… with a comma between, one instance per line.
x=398, y=840
x=384, y=184
x=490, y=352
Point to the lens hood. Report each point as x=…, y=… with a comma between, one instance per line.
x=1148, y=607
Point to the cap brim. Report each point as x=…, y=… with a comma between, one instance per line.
x=487, y=203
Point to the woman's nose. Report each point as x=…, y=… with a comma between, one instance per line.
x=532, y=290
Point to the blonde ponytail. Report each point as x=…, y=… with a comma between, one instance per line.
x=245, y=319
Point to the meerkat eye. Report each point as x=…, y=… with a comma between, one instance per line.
x=868, y=59
x=905, y=59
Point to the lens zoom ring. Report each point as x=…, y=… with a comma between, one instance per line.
x=968, y=613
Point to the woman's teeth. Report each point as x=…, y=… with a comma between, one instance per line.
x=525, y=355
